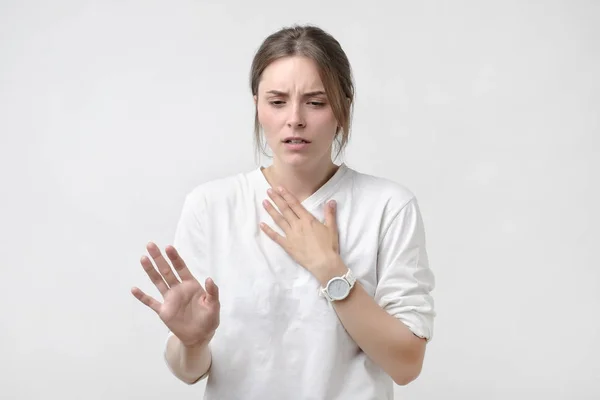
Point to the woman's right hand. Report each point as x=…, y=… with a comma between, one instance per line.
x=189, y=311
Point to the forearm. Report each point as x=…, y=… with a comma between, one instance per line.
x=188, y=364
x=385, y=339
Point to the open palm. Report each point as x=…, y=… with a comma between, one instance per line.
x=190, y=311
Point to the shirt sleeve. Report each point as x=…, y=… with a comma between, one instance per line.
x=405, y=280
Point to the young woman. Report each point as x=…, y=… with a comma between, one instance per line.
x=324, y=282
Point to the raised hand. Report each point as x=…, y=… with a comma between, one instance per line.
x=189, y=311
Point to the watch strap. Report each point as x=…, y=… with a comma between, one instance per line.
x=350, y=278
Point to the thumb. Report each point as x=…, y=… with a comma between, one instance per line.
x=211, y=289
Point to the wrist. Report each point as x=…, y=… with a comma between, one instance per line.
x=201, y=343
x=331, y=268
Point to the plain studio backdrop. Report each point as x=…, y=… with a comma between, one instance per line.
x=111, y=112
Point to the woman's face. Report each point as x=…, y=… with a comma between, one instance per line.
x=291, y=103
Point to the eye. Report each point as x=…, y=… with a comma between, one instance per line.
x=316, y=103
x=277, y=103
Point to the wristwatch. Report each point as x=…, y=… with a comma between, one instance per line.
x=338, y=288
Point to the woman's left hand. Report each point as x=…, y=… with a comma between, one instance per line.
x=312, y=244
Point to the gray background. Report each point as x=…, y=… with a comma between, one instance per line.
x=110, y=112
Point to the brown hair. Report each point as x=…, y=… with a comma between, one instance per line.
x=334, y=70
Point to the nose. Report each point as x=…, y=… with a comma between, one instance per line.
x=296, y=118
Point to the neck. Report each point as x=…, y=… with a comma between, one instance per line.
x=302, y=182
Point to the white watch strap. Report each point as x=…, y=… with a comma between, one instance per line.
x=350, y=278
x=324, y=293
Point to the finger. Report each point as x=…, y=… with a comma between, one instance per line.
x=147, y=300
x=163, y=266
x=293, y=203
x=330, y=215
x=212, y=290
x=277, y=217
x=276, y=237
x=283, y=206
x=178, y=263
x=154, y=276
x=331, y=223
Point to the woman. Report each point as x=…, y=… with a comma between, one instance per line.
x=324, y=283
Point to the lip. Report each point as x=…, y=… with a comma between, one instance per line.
x=294, y=138
x=296, y=146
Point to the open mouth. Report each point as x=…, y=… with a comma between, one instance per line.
x=296, y=141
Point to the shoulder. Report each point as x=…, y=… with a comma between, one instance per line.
x=391, y=195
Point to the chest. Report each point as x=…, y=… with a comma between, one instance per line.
x=261, y=284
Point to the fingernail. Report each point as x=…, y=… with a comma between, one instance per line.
x=332, y=204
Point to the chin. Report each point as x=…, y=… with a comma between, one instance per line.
x=298, y=160
x=295, y=160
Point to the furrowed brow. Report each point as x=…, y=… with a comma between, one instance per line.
x=308, y=94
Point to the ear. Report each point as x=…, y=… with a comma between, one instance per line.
x=255, y=99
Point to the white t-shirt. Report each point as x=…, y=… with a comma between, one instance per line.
x=278, y=339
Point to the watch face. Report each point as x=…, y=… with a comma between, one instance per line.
x=338, y=289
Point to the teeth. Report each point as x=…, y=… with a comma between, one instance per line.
x=296, y=141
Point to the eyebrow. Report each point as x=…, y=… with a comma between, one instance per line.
x=308, y=94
